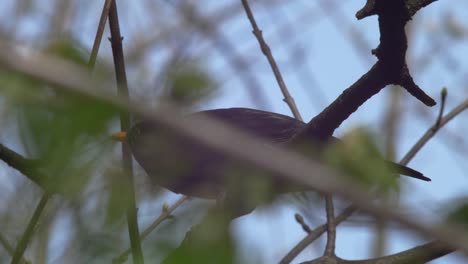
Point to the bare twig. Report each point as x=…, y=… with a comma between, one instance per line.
x=404, y=161
x=163, y=216
x=9, y=248
x=331, y=226
x=119, y=63
x=99, y=32
x=300, y=220
x=27, y=235
x=432, y=131
x=314, y=234
x=420, y=254
x=443, y=97
x=267, y=52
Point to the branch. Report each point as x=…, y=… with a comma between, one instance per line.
x=27, y=235
x=391, y=68
x=331, y=226
x=99, y=32
x=164, y=215
x=267, y=52
x=433, y=130
x=122, y=86
x=26, y=166
x=279, y=162
x=419, y=254
x=10, y=250
x=404, y=161
x=316, y=233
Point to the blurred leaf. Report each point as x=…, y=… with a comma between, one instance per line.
x=68, y=133
x=458, y=212
x=117, y=195
x=358, y=157
x=189, y=83
x=68, y=49
x=69, y=136
x=208, y=242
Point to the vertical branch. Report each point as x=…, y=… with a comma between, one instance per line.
x=267, y=52
x=119, y=64
x=27, y=235
x=331, y=226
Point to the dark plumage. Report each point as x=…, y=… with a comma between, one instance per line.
x=187, y=167
x=158, y=151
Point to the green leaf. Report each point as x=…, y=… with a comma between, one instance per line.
x=358, y=157
x=458, y=212
x=188, y=84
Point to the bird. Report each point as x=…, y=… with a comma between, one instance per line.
x=190, y=168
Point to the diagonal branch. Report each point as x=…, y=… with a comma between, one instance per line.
x=99, y=32
x=391, y=68
x=419, y=254
x=267, y=52
x=27, y=235
x=164, y=215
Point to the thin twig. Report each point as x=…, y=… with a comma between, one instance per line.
x=432, y=131
x=99, y=32
x=122, y=87
x=27, y=235
x=300, y=220
x=314, y=234
x=351, y=209
x=163, y=216
x=443, y=97
x=331, y=226
x=267, y=52
x=9, y=248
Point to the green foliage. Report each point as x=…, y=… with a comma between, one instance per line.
x=208, y=242
x=358, y=157
x=69, y=50
x=188, y=84
x=458, y=212
x=67, y=133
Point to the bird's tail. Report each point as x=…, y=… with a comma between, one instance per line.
x=406, y=171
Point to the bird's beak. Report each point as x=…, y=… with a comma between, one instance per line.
x=121, y=136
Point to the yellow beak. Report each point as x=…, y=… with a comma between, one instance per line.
x=121, y=136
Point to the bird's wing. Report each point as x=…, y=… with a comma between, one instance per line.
x=273, y=127
x=279, y=128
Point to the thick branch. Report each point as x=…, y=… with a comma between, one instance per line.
x=391, y=67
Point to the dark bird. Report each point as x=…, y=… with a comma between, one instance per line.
x=190, y=168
